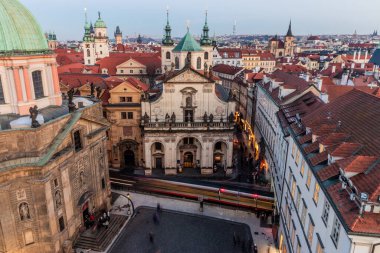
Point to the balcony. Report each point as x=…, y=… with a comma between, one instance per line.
x=189, y=126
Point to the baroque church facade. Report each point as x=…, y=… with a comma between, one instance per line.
x=53, y=158
x=189, y=124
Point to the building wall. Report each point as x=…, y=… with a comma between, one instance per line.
x=36, y=197
x=18, y=86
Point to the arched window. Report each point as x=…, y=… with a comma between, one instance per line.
x=176, y=63
x=168, y=55
x=206, y=55
x=199, y=63
x=100, y=34
x=2, y=99
x=88, y=53
x=37, y=82
x=280, y=54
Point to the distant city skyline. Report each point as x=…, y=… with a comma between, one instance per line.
x=147, y=17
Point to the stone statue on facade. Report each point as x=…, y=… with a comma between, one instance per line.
x=33, y=115
x=172, y=66
x=146, y=118
x=165, y=69
x=188, y=60
x=92, y=86
x=70, y=94
x=98, y=91
x=167, y=118
x=58, y=199
x=24, y=211
x=231, y=117
x=211, y=118
x=173, y=117
x=205, y=117
x=205, y=66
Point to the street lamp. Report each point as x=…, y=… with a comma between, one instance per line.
x=130, y=203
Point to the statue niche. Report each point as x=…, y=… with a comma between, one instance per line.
x=24, y=211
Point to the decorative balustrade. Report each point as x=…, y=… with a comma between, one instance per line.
x=187, y=125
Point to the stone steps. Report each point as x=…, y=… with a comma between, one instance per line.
x=99, y=240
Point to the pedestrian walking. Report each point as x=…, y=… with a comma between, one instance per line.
x=151, y=237
x=158, y=208
x=155, y=218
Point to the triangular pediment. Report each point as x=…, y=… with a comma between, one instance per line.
x=188, y=76
x=131, y=63
x=124, y=87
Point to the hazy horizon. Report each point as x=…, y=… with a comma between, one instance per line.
x=148, y=17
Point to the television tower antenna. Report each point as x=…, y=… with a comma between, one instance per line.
x=234, y=29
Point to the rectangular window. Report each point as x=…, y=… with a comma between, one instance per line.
x=77, y=141
x=141, y=71
x=61, y=222
x=123, y=99
x=129, y=99
x=294, y=149
x=157, y=146
x=335, y=231
x=123, y=115
x=310, y=231
x=308, y=181
x=316, y=193
x=37, y=83
x=302, y=171
x=189, y=141
x=56, y=182
x=103, y=183
x=303, y=214
x=298, y=157
x=2, y=100
x=131, y=71
x=127, y=131
x=122, y=71
x=298, y=199
x=326, y=210
x=130, y=115
x=293, y=187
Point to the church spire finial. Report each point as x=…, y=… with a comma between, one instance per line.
x=167, y=15
x=289, y=33
x=99, y=14
x=85, y=15
x=167, y=40
x=206, y=18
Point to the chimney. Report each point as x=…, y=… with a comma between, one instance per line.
x=319, y=83
x=333, y=69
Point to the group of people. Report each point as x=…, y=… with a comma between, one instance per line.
x=89, y=220
x=104, y=220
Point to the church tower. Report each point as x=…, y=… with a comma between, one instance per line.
x=101, y=38
x=206, y=44
x=88, y=44
x=118, y=36
x=289, y=42
x=167, y=46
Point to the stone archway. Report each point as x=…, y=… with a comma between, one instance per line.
x=128, y=153
x=189, y=152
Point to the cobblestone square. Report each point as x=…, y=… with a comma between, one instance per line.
x=180, y=232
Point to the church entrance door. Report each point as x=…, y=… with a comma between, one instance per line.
x=129, y=158
x=158, y=162
x=188, y=160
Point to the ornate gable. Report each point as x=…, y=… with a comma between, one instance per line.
x=124, y=87
x=188, y=76
x=131, y=63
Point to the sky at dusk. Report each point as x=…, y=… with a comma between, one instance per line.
x=147, y=17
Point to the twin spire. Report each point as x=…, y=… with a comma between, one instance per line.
x=168, y=41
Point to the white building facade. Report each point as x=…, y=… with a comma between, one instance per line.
x=188, y=125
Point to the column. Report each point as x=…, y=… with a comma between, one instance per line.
x=54, y=71
x=16, y=76
x=27, y=83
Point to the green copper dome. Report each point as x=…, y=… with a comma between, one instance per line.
x=100, y=23
x=188, y=44
x=19, y=31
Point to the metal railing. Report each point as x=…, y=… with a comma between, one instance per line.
x=169, y=125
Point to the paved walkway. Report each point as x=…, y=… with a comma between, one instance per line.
x=261, y=236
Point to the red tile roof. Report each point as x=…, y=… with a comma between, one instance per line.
x=227, y=69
